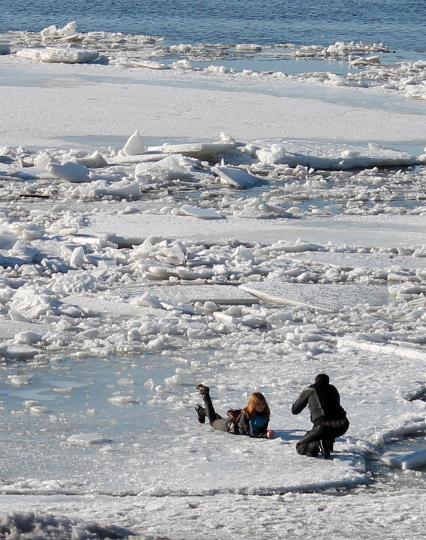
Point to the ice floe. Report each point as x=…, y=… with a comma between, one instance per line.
x=134, y=145
x=87, y=439
x=405, y=460
x=191, y=294
x=236, y=177
x=323, y=297
x=57, y=55
x=327, y=156
x=197, y=150
x=31, y=526
x=73, y=172
x=54, y=32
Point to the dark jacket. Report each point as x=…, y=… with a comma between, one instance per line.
x=247, y=426
x=323, y=401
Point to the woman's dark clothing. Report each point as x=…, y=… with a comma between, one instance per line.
x=215, y=420
x=253, y=427
x=256, y=427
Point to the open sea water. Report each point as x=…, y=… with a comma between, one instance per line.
x=398, y=23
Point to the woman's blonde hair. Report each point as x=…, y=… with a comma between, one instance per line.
x=257, y=399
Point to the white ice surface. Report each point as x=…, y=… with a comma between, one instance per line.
x=56, y=55
x=196, y=150
x=35, y=95
x=190, y=294
x=327, y=156
x=396, y=514
x=93, y=304
x=381, y=348
x=405, y=460
x=373, y=261
x=275, y=350
x=9, y=328
x=318, y=296
x=368, y=231
x=236, y=177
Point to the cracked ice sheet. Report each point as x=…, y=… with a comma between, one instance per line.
x=317, y=296
x=147, y=439
x=392, y=515
x=365, y=231
x=371, y=261
x=373, y=402
x=306, y=110
x=190, y=294
x=9, y=328
x=94, y=304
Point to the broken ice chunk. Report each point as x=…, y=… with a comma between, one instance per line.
x=87, y=439
x=208, y=151
x=58, y=55
x=237, y=178
x=134, y=145
x=201, y=213
x=123, y=400
x=73, y=172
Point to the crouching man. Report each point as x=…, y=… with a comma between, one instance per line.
x=327, y=415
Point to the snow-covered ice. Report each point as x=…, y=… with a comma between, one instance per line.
x=324, y=297
x=52, y=55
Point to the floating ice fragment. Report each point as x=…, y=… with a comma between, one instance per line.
x=134, y=145
x=317, y=296
x=183, y=65
x=365, y=61
x=123, y=400
x=20, y=352
x=77, y=257
x=73, y=172
x=95, y=161
x=38, y=410
x=405, y=460
x=248, y=47
x=128, y=191
x=331, y=156
x=197, y=150
x=168, y=168
x=201, y=213
x=152, y=65
x=237, y=178
x=59, y=55
x=19, y=380
x=28, y=337
x=54, y=32
x=85, y=439
x=217, y=69
x=189, y=294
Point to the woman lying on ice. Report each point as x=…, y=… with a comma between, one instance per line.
x=252, y=421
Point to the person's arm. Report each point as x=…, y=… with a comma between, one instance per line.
x=244, y=425
x=301, y=401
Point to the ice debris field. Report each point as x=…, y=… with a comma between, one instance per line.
x=143, y=249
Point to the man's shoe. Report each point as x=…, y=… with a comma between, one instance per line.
x=201, y=411
x=325, y=449
x=309, y=449
x=203, y=389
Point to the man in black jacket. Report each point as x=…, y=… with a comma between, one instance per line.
x=327, y=415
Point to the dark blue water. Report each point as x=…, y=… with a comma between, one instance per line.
x=399, y=23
